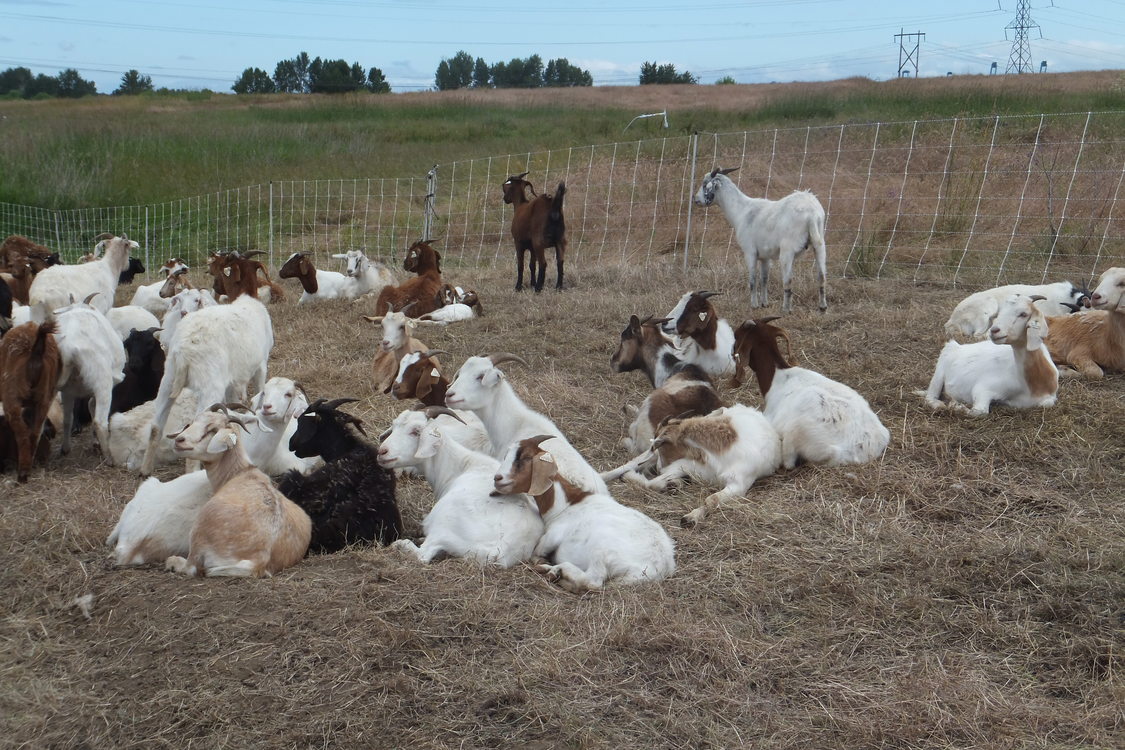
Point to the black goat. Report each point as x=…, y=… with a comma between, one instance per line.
x=144, y=367
x=349, y=499
x=135, y=266
x=5, y=307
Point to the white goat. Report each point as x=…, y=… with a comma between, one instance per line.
x=148, y=295
x=216, y=352
x=481, y=387
x=467, y=519
x=1013, y=368
x=93, y=361
x=820, y=420
x=129, y=431
x=58, y=286
x=1094, y=339
x=590, y=538
x=973, y=315
x=129, y=318
x=768, y=230
x=409, y=382
x=362, y=277
x=277, y=406
x=247, y=528
x=733, y=446
x=457, y=305
x=183, y=303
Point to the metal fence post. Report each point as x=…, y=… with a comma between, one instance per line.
x=270, y=239
x=687, y=228
x=428, y=212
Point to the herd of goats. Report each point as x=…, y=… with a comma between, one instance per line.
x=281, y=477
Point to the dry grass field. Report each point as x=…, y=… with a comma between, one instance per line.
x=965, y=590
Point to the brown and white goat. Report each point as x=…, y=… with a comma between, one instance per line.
x=704, y=338
x=422, y=290
x=644, y=347
x=419, y=376
x=29, y=372
x=589, y=538
x=396, y=343
x=536, y=225
x=247, y=528
x=1093, y=341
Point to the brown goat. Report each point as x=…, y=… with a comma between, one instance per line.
x=422, y=290
x=29, y=375
x=536, y=225
x=1095, y=339
x=422, y=379
x=236, y=273
x=17, y=249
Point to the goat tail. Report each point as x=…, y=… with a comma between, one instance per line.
x=38, y=353
x=557, y=202
x=556, y=225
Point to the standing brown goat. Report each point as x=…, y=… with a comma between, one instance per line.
x=422, y=290
x=536, y=225
x=29, y=376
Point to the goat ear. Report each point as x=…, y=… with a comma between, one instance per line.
x=235, y=273
x=491, y=377
x=428, y=442
x=222, y=441
x=339, y=255
x=543, y=471
x=425, y=382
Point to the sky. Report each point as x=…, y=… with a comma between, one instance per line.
x=208, y=44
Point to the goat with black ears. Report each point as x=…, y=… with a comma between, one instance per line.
x=351, y=498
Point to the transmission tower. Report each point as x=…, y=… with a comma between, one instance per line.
x=908, y=56
x=1020, y=59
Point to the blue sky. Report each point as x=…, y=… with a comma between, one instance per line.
x=207, y=44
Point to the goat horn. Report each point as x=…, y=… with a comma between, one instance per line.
x=435, y=411
x=728, y=170
x=218, y=407
x=433, y=352
x=1072, y=307
x=408, y=305
x=655, y=321
x=522, y=175
x=336, y=403
x=502, y=357
x=714, y=171
x=355, y=421
x=104, y=236
x=705, y=294
x=90, y=297
x=378, y=319
x=768, y=319
x=252, y=253
x=539, y=439
x=1036, y=297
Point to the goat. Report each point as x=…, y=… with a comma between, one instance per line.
x=644, y=347
x=277, y=407
x=144, y=367
x=5, y=307
x=419, y=376
x=455, y=305
x=1093, y=341
x=183, y=303
x=152, y=297
x=130, y=272
x=972, y=317
x=351, y=498
x=396, y=343
x=129, y=431
x=236, y=274
x=29, y=373
x=129, y=318
x=770, y=230
x=18, y=249
x=93, y=360
x=215, y=352
x=481, y=387
x=17, y=278
x=688, y=390
x=363, y=277
x=536, y=225
x=589, y=538
x=1013, y=368
x=466, y=520
x=819, y=419
x=52, y=426
x=422, y=290
x=707, y=340
x=55, y=286
x=732, y=446
x=247, y=528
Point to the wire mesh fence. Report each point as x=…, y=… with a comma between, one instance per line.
x=962, y=200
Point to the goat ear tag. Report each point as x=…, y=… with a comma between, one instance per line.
x=434, y=373
x=226, y=271
x=546, y=458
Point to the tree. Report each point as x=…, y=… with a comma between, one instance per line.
x=377, y=82
x=292, y=76
x=454, y=73
x=15, y=81
x=561, y=73
x=132, y=82
x=654, y=73
x=254, y=81
x=335, y=76
x=41, y=85
x=72, y=85
x=482, y=75
x=725, y=81
x=518, y=73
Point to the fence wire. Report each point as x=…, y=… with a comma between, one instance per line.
x=962, y=200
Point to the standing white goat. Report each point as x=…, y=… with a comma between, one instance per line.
x=768, y=230
x=216, y=352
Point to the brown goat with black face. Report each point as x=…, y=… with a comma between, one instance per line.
x=422, y=290
x=29, y=374
x=537, y=224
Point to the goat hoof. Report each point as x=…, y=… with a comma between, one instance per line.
x=689, y=521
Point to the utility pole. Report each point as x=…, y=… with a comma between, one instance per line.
x=908, y=55
x=1020, y=59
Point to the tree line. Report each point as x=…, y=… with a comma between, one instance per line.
x=462, y=71
x=301, y=75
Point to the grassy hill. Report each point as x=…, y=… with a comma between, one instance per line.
x=107, y=151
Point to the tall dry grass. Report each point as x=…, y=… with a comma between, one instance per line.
x=963, y=591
